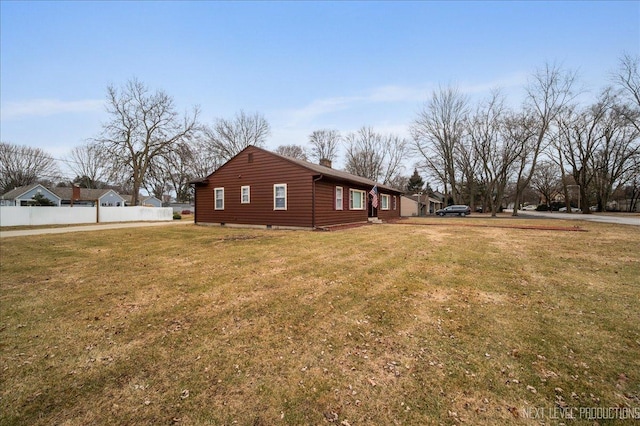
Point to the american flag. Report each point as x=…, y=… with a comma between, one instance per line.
x=374, y=194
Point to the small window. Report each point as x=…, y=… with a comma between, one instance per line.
x=356, y=199
x=219, y=198
x=384, y=202
x=245, y=194
x=338, y=198
x=250, y=157
x=280, y=196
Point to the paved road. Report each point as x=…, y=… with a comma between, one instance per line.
x=620, y=220
x=85, y=228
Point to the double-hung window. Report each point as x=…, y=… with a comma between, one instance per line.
x=280, y=196
x=245, y=194
x=219, y=198
x=356, y=199
x=384, y=202
x=338, y=198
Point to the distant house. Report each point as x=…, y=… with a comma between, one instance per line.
x=259, y=187
x=419, y=205
x=23, y=196
x=150, y=202
x=88, y=197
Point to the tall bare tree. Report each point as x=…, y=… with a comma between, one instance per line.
x=227, y=137
x=546, y=180
x=293, y=151
x=324, y=145
x=618, y=153
x=24, y=165
x=549, y=90
x=375, y=156
x=580, y=135
x=492, y=134
x=91, y=165
x=627, y=80
x=437, y=131
x=204, y=161
x=143, y=126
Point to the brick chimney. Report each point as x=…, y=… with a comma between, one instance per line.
x=76, y=193
x=325, y=162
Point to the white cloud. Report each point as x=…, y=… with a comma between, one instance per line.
x=377, y=95
x=47, y=107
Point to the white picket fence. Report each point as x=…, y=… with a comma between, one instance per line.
x=31, y=216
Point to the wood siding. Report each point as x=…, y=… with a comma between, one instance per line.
x=260, y=170
x=260, y=175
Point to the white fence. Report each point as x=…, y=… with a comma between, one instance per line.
x=31, y=216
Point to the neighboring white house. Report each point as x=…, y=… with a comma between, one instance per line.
x=418, y=205
x=23, y=196
x=150, y=201
x=87, y=197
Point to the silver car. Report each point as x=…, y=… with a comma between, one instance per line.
x=457, y=210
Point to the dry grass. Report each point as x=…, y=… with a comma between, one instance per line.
x=380, y=324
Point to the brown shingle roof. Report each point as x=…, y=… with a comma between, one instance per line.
x=321, y=170
x=86, y=194
x=16, y=192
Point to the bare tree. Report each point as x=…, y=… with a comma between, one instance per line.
x=324, y=145
x=227, y=137
x=293, y=151
x=91, y=165
x=375, y=156
x=364, y=153
x=618, y=153
x=579, y=137
x=548, y=92
x=204, y=161
x=143, y=126
x=627, y=79
x=23, y=165
x=436, y=133
x=492, y=135
x=546, y=180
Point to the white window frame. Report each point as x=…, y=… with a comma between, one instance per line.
x=339, y=198
x=242, y=194
x=275, y=199
x=215, y=198
x=384, y=202
x=363, y=194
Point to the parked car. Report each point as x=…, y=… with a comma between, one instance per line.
x=530, y=207
x=454, y=210
x=573, y=210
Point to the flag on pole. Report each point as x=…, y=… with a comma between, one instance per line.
x=374, y=194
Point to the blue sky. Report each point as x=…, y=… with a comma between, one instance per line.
x=303, y=65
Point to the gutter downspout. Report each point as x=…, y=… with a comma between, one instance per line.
x=313, y=201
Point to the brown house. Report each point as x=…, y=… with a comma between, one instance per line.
x=259, y=187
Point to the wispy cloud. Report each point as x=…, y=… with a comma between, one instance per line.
x=48, y=107
x=376, y=95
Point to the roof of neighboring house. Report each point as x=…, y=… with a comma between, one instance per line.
x=317, y=168
x=86, y=194
x=423, y=198
x=17, y=192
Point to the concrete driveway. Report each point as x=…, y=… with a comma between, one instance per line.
x=86, y=228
